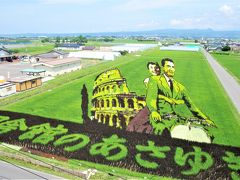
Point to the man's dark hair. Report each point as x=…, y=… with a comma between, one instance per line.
x=149, y=63
x=166, y=59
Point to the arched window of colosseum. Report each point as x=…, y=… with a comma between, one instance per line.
x=99, y=89
x=114, y=103
x=114, y=120
x=108, y=103
x=130, y=103
x=103, y=89
x=121, y=102
x=107, y=119
x=108, y=88
x=102, y=103
x=102, y=117
x=113, y=88
x=122, y=121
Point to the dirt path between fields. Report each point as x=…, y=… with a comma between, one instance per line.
x=230, y=85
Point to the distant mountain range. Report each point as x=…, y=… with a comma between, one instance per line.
x=178, y=33
x=171, y=33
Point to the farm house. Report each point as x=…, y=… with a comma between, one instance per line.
x=59, y=66
x=26, y=82
x=5, y=55
x=6, y=88
x=70, y=46
x=54, y=54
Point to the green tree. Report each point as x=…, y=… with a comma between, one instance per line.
x=58, y=39
x=45, y=40
x=108, y=39
x=79, y=40
x=65, y=39
x=123, y=53
x=226, y=48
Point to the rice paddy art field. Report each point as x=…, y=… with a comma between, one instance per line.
x=61, y=98
x=231, y=62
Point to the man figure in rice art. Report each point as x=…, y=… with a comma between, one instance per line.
x=140, y=123
x=164, y=97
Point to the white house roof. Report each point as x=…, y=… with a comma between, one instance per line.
x=4, y=52
x=23, y=79
x=6, y=84
x=33, y=70
x=51, y=54
x=95, y=54
x=57, y=62
x=133, y=47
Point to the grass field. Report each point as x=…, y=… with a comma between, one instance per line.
x=36, y=49
x=134, y=41
x=192, y=70
x=231, y=62
x=118, y=42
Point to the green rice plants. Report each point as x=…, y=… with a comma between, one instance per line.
x=12, y=125
x=109, y=144
x=70, y=139
x=153, y=151
x=45, y=131
x=233, y=164
x=197, y=160
x=4, y=118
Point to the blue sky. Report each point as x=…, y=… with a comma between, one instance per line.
x=78, y=16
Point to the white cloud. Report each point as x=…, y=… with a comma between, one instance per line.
x=226, y=9
x=149, y=5
x=53, y=2
x=186, y=22
x=151, y=24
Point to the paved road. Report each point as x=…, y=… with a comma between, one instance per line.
x=10, y=171
x=230, y=85
x=13, y=68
